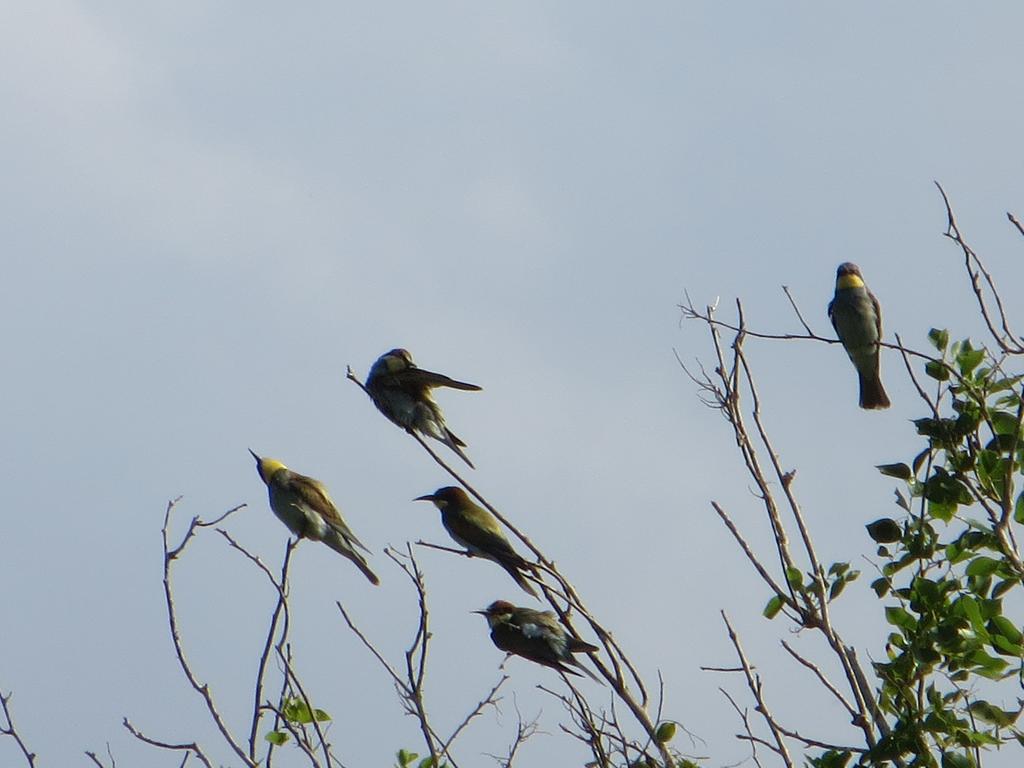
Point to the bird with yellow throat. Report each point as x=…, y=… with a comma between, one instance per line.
x=303, y=504
x=857, y=318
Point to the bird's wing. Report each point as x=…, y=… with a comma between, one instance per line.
x=483, y=532
x=581, y=646
x=831, y=315
x=314, y=496
x=420, y=377
x=878, y=314
x=543, y=625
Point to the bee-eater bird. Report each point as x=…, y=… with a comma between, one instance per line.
x=303, y=504
x=857, y=318
x=478, y=531
x=535, y=635
x=401, y=391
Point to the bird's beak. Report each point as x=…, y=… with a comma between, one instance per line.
x=481, y=612
x=254, y=455
x=428, y=497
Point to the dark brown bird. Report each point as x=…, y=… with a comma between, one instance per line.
x=537, y=636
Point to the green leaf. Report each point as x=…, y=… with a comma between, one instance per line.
x=1003, y=587
x=881, y=586
x=838, y=569
x=404, y=757
x=901, y=471
x=666, y=732
x=987, y=666
x=794, y=577
x=939, y=338
x=277, y=738
x=1001, y=645
x=936, y=370
x=771, y=610
x=885, y=530
x=297, y=711
x=321, y=716
x=957, y=760
x=1003, y=384
x=1004, y=423
x=1018, y=509
x=899, y=617
x=943, y=511
x=969, y=608
x=1000, y=626
x=831, y=759
x=837, y=588
x=427, y=762
x=992, y=714
x=901, y=501
x=969, y=358
x=983, y=566
x=920, y=460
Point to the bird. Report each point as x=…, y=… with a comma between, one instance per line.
x=479, y=532
x=401, y=391
x=303, y=504
x=535, y=635
x=857, y=318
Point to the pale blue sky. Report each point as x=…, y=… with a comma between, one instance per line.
x=209, y=210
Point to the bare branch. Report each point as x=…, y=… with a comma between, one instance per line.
x=1007, y=340
x=280, y=616
x=190, y=747
x=491, y=699
x=745, y=719
x=822, y=678
x=754, y=683
x=9, y=729
x=170, y=555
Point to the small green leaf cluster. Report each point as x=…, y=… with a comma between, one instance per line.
x=949, y=561
x=297, y=712
x=407, y=759
x=807, y=589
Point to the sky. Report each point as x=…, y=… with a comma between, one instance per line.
x=209, y=211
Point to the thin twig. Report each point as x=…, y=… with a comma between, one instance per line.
x=745, y=719
x=201, y=688
x=190, y=747
x=822, y=679
x=754, y=684
x=10, y=730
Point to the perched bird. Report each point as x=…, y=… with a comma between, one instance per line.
x=401, y=391
x=303, y=504
x=535, y=635
x=478, y=531
x=857, y=318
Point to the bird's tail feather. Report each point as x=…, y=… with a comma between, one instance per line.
x=585, y=671
x=456, y=445
x=872, y=394
x=342, y=547
x=515, y=573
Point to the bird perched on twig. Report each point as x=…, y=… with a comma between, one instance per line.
x=401, y=391
x=303, y=504
x=535, y=635
x=857, y=318
x=478, y=531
